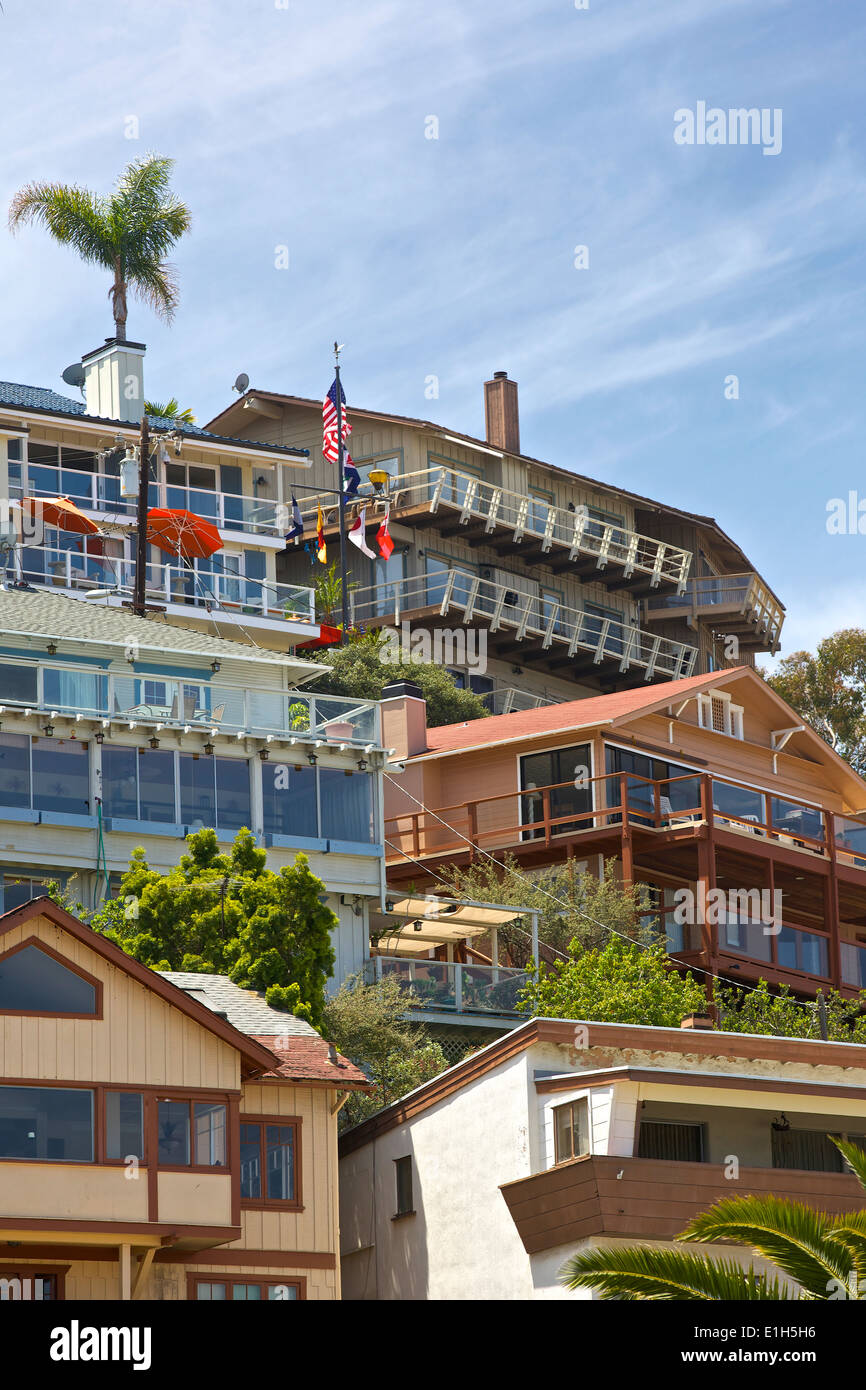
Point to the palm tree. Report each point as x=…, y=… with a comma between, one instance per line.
x=129, y=232
x=170, y=411
x=825, y=1255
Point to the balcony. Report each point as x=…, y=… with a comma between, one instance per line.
x=511, y=698
x=458, y=504
x=449, y=987
x=185, y=591
x=99, y=493
x=653, y=1199
x=525, y=625
x=740, y=604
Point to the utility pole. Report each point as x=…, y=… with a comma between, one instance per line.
x=139, y=590
x=344, y=579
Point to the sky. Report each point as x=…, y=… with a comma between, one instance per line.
x=431, y=170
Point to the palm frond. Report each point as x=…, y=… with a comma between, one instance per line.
x=74, y=217
x=854, y=1156
x=637, y=1273
x=793, y=1236
x=155, y=285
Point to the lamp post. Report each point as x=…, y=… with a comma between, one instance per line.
x=341, y=451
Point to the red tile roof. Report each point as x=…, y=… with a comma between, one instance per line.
x=308, y=1059
x=573, y=714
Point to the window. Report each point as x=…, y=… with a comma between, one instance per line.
x=347, y=805
x=567, y=771
x=289, y=800
x=29, y=1284
x=18, y=683
x=138, y=784
x=124, y=1125
x=205, y=1121
x=717, y=711
x=678, y=1142
x=595, y=616
x=61, y=776
x=214, y=791
x=807, y=1149
x=403, y=1182
x=438, y=572
x=33, y=982
x=571, y=1130
x=268, y=1162
x=244, y=1292
x=41, y=1122
x=75, y=690
x=15, y=770
x=680, y=791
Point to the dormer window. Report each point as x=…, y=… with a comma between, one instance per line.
x=718, y=712
x=35, y=980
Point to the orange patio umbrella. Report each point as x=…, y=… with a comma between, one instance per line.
x=59, y=512
x=182, y=533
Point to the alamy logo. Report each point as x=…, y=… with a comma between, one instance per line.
x=465, y=648
x=716, y=908
x=77, y=1343
x=737, y=126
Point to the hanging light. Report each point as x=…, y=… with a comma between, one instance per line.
x=362, y=764
x=154, y=741
x=264, y=755
x=51, y=648
x=48, y=730
x=312, y=759
x=215, y=666
x=380, y=479
x=208, y=749
x=99, y=737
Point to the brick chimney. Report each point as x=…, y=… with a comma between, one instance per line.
x=501, y=420
x=114, y=381
x=404, y=718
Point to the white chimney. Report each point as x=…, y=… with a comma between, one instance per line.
x=114, y=381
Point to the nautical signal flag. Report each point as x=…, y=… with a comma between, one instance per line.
x=383, y=536
x=297, y=528
x=357, y=534
x=321, y=548
x=330, y=440
x=352, y=476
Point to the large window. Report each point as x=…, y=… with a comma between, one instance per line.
x=41, y=1122
x=680, y=790
x=44, y=774
x=32, y=981
x=124, y=1125
x=310, y=802
x=192, y=1133
x=290, y=800
x=268, y=1162
x=571, y=1130
x=18, y=684
x=214, y=791
x=75, y=690
x=347, y=805
x=677, y=1142
x=244, y=1291
x=138, y=784
x=568, y=766
x=808, y=1149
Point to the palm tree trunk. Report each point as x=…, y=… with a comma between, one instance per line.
x=118, y=302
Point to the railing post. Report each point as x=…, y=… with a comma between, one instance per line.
x=472, y=814
x=458, y=987
x=625, y=826
x=545, y=812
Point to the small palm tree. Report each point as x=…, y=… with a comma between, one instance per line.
x=825, y=1255
x=129, y=232
x=170, y=411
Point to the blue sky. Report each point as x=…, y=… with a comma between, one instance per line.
x=304, y=125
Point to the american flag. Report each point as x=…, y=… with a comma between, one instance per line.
x=330, y=442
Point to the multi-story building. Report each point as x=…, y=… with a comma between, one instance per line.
x=118, y=731
x=571, y=585
x=161, y=1137
x=747, y=829
x=53, y=446
x=562, y=1136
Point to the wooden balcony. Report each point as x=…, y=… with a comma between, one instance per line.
x=740, y=604
x=654, y=1199
x=511, y=523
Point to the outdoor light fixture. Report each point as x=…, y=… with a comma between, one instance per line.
x=208, y=749
x=264, y=755
x=389, y=904
x=362, y=764
x=99, y=737
x=48, y=730
x=418, y=925
x=380, y=479
x=51, y=648
x=154, y=741
x=312, y=759
x=215, y=666
x=129, y=471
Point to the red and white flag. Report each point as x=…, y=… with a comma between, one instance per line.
x=357, y=534
x=330, y=433
x=383, y=536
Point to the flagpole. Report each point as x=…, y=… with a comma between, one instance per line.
x=344, y=581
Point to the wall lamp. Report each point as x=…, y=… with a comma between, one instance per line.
x=99, y=737
x=215, y=666
x=362, y=764
x=312, y=759
x=51, y=648
x=208, y=749
x=264, y=755
x=48, y=730
x=154, y=741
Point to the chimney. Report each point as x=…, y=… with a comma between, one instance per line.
x=697, y=1021
x=114, y=381
x=404, y=718
x=501, y=420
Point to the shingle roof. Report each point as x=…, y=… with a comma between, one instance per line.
x=40, y=613
x=571, y=714
x=49, y=402
x=301, y=1053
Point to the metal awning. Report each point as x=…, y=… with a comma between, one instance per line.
x=416, y=924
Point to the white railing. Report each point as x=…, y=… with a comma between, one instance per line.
x=529, y=616
x=744, y=592
x=510, y=699
x=100, y=492
x=78, y=571
x=439, y=489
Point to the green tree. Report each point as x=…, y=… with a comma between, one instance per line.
x=359, y=671
x=229, y=914
x=828, y=688
x=129, y=232
x=825, y=1255
x=571, y=906
x=620, y=982
x=780, y=1014
x=366, y=1023
x=170, y=411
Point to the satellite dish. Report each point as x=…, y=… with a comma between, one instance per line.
x=74, y=376
x=241, y=384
